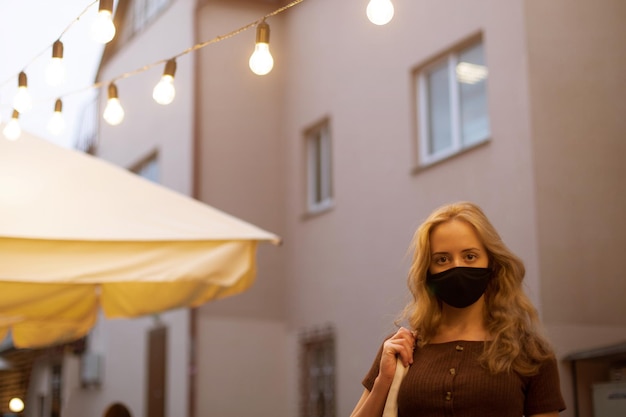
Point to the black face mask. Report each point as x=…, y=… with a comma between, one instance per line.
x=459, y=287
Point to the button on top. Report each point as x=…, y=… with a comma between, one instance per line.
x=459, y=348
x=448, y=396
x=452, y=371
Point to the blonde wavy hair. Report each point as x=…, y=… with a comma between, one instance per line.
x=510, y=317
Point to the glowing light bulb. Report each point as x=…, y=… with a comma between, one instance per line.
x=164, y=92
x=16, y=405
x=113, y=112
x=261, y=62
x=56, y=124
x=12, y=130
x=22, y=101
x=55, y=72
x=103, y=29
x=380, y=12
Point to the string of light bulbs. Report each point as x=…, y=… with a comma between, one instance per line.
x=103, y=30
x=261, y=62
x=55, y=54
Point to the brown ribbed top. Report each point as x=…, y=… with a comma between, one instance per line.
x=446, y=379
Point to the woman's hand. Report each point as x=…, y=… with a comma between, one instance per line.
x=400, y=345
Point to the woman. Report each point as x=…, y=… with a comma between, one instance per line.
x=474, y=348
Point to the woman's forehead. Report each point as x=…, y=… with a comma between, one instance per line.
x=454, y=234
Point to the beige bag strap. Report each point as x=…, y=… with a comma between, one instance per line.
x=391, y=405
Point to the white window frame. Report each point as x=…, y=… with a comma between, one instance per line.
x=319, y=157
x=426, y=158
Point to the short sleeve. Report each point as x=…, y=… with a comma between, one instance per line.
x=543, y=392
x=370, y=377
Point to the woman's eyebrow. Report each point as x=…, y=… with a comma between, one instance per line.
x=462, y=251
x=471, y=250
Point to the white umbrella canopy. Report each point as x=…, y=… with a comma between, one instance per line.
x=78, y=234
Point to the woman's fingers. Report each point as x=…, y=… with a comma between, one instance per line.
x=405, y=345
x=399, y=345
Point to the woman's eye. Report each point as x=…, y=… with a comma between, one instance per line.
x=441, y=260
x=471, y=257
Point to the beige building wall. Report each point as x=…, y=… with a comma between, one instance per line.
x=240, y=341
x=239, y=148
x=577, y=62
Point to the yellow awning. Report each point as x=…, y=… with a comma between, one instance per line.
x=78, y=234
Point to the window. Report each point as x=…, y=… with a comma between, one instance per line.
x=148, y=168
x=56, y=382
x=317, y=388
x=138, y=15
x=319, y=179
x=452, y=104
x=145, y=11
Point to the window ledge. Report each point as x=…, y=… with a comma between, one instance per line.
x=318, y=211
x=422, y=167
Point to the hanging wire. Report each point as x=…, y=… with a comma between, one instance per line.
x=58, y=38
x=191, y=49
x=162, y=61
